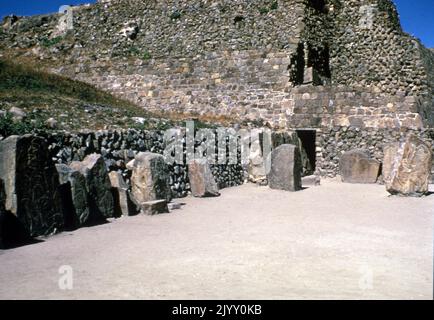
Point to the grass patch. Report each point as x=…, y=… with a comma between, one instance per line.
x=47, y=43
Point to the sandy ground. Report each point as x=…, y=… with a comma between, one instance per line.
x=337, y=241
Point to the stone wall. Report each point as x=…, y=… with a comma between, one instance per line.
x=120, y=147
x=333, y=142
x=241, y=59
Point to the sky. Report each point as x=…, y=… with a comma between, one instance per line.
x=417, y=16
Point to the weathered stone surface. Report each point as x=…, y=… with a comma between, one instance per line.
x=74, y=194
x=407, y=167
x=31, y=184
x=154, y=207
x=2, y=213
x=389, y=154
x=256, y=169
x=285, y=168
x=98, y=185
x=150, y=178
x=124, y=206
x=357, y=166
x=202, y=182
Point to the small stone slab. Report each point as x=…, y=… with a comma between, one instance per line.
x=357, y=166
x=154, y=207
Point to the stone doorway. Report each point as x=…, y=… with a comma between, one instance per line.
x=307, y=140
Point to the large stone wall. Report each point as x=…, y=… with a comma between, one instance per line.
x=241, y=58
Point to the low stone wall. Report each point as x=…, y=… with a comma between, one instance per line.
x=333, y=142
x=120, y=147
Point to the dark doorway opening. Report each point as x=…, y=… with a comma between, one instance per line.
x=307, y=139
x=318, y=5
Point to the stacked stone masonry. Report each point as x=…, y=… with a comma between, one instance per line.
x=246, y=60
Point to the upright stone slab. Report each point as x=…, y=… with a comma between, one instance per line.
x=31, y=184
x=389, y=153
x=357, y=166
x=98, y=185
x=202, y=182
x=285, y=168
x=124, y=206
x=407, y=167
x=2, y=214
x=74, y=194
x=150, y=178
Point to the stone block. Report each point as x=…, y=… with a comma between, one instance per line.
x=124, y=206
x=31, y=184
x=202, y=181
x=154, y=207
x=357, y=166
x=407, y=167
x=98, y=185
x=285, y=168
x=150, y=178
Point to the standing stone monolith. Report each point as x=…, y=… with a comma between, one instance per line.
x=407, y=167
x=357, y=166
x=74, y=194
x=202, y=182
x=150, y=178
x=285, y=168
x=100, y=198
x=31, y=184
x=2, y=214
x=124, y=206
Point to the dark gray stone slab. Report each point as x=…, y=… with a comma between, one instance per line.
x=31, y=184
x=150, y=178
x=285, y=168
x=100, y=197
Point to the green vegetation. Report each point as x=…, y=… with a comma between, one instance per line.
x=274, y=5
x=73, y=104
x=21, y=78
x=265, y=10
x=175, y=15
x=147, y=55
x=45, y=42
x=32, y=124
x=133, y=51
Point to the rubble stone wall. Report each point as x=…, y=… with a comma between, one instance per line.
x=238, y=58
